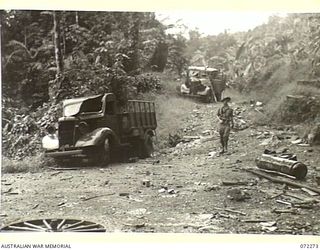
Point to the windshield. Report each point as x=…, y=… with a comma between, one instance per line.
x=82, y=105
x=198, y=74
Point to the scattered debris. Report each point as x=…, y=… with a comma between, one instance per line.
x=212, y=154
x=228, y=216
x=206, y=132
x=286, y=211
x=240, y=124
x=172, y=191
x=135, y=199
x=66, y=178
x=297, y=141
x=167, y=166
x=35, y=206
x=254, y=220
x=271, y=193
x=105, y=183
x=229, y=210
x=258, y=104
x=124, y=194
x=56, y=173
x=63, y=168
x=237, y=195
x=273, y=141
x=284, y=202
x=162, y=190
x=135, y=225
x=208, y=228
x=234, y=183
x=96, y=196
x=269, y=226
x=210, y=188
x=188, y=138
x=146, y=183
x=292, y=195
x=7, y=191
x=61, y=204
x=140, y=212
x=309, y=192
x=282, y=181
x=8, y=184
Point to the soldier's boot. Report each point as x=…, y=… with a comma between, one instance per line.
x=222, y=145
x=226, y=144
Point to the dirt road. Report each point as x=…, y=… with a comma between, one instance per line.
x=187, y=191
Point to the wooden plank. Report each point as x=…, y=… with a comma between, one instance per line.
x=282, y=181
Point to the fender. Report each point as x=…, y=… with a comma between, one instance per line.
x=205, y=92
x=97, y=137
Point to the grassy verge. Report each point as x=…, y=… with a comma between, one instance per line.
x=29, y=164
x=172, y=110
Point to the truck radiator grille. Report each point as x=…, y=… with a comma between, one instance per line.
x=66, y=133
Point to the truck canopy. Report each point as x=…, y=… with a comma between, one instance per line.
x=91, y=104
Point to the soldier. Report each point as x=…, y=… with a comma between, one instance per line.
x=225, y=116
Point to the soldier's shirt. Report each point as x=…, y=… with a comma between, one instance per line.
x=225, y=114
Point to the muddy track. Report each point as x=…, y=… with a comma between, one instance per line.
x=180, y=189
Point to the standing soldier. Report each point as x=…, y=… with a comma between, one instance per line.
x=225, y=116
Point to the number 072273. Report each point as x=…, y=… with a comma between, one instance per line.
x=309, y=246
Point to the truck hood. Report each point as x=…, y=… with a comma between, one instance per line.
x=92, y=104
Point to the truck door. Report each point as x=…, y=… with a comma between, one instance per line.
x=110, y=116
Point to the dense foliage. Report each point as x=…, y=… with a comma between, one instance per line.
x=48, y=56
x=52, y=55
x=250, y=58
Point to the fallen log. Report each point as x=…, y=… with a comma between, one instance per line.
x=282, y=165
x=281, y=181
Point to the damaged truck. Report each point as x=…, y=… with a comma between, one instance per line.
x=204, y=83
x=96, y=130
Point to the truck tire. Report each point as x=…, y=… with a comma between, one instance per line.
x=146, y=146
x=209, y=97
x=104, y=153
x=218, y=96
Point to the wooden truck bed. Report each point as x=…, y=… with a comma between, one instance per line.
x=141, y=114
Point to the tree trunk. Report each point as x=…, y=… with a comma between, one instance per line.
x=77, y=19
x=56, y=85
x=135, y=35
x=25, y=37
x=57, y=45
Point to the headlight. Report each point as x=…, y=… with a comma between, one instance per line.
x=51, y=129
x=50, y=142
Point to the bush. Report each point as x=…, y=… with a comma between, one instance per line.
x=28, y=164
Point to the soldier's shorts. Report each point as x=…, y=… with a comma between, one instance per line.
x=224, y=130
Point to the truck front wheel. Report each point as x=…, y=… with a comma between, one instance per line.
x=104, y=153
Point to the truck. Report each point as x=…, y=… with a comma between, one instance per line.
x=204, y=83
x=96, y=129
